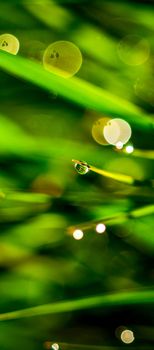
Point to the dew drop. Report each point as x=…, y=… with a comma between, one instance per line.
x=82, y=169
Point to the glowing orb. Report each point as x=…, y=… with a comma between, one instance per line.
x=9, y=43
x=127, y=336
x=133, y=50
x=117, y=130
x=144, y=89
x=129, y=149
x=119, y=145
x=78, y=234
x=62, y=58
x=97, y=131
x=100, y=228
x=55, y=346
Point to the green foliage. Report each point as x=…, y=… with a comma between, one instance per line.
x=78, y=291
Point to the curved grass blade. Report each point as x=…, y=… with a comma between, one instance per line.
x=68, y=346
x=76, y=90
x=110, y=300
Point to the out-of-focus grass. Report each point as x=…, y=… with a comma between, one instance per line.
x=45, y=121
x=106, y=300
x=75, y=90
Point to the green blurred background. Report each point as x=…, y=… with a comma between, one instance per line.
x=43, y=125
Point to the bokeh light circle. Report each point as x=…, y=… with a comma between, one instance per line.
x=129, y=149
x=117, y=130
x=97, y=130
x=100, y=228
x=78, y=234
x=55, y=346
x=119, y=145
x=133, y=50
x=127, y=336
x=144, y=89
x=9, y=43
x=62, y=58
x=111, y=132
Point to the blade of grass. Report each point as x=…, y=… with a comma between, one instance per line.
x=125, y=298
x=76, y=90
x=67, y=346
x=50, y=14
x=115, y=219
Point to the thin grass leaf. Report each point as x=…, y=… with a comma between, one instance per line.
x=109, y=300
x=76, y=90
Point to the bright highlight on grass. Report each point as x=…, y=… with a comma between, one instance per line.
x=9, y=43
x=129, y=149
x=127, y=336
x=100, y=228
x=119, y=145
x=78, y=234
x=55, y=346
x=62, y=58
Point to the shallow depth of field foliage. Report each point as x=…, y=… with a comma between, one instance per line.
x=54, y=288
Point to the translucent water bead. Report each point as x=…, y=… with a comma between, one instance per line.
x=62, y=58
x=82, y=169
x=9, y=43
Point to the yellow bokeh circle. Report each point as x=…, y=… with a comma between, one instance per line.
x=62, y=58
x=97, y=130
x=9, y=43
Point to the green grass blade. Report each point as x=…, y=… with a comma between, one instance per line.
x=76, y=90
x=109, y=300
